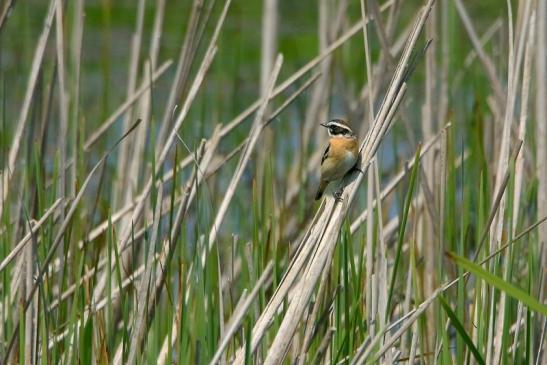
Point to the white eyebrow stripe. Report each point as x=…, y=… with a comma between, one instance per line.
x=335, y=124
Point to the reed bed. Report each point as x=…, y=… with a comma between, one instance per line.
x=159, y=161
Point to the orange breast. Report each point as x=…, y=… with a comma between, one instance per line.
x=342, y=156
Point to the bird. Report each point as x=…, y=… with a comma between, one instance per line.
x=340, y=156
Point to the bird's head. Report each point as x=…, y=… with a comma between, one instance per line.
x=338, y=128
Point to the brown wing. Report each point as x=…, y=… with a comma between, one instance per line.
x=325, y=154
x=339, y=159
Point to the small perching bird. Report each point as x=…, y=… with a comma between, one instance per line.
x=340, y=156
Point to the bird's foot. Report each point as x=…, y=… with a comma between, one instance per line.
x=338, y=196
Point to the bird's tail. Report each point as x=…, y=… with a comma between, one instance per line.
x=321, y=189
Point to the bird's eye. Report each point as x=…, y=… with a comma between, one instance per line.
x=335, y=130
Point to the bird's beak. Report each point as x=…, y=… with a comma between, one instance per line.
x=323, y=124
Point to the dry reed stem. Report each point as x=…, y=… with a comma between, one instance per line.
x=303, y=253
x=30, y=264
x=155, y=41
x=515, y=61
x=186, y=57
x=369, y=283
x=198, y=176
x=120, y=182
x=381, y=31
x=390, y=187
x=142, y=300
x=443, y=167
x=76, y=62
x=284, y=286
x=131, y=280
x=485, y=60
x=364, y=351
x=237, y=317
x=136, y=156
x=63, y=98
x=317, y=106
x=413, y=345
x=268, y=43
x=310, y=325
x=167, y=176
x=390, y=228
x=333, y=214
x=427, y=171
x=101, y=228
x=58, y=238
x=543, y=351
x=145, y=104
x=8, y=5
x=304, y=288
x=7, y=174
x=26, y=239
x=521, y=311
x=381, y=257
x=368, y=63
x=258, y=126
x=170, y=244
x=113, y=118
x=525, y=90
x=137, y=212
x=541, y=127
